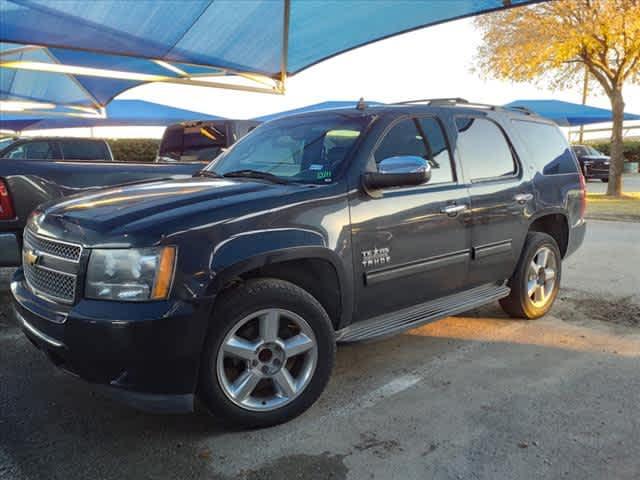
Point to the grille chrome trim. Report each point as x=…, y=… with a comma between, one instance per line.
x=32, y=270
x=52, y=284
x=44, y=245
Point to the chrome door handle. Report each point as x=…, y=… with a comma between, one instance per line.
x=453, y=210
x=523, y=198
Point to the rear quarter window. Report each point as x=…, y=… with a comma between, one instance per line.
x=548, y=149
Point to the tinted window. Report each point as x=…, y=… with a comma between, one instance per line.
x=202, y=142
x=422, y=138
x=547, y=146
x=83, y=150
x=484, y=149
x=32, y=151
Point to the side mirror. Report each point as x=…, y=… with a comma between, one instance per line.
x=400, y=171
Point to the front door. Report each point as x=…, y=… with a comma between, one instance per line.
x=411, y=244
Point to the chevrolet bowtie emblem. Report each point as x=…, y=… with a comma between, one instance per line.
x=31, y=257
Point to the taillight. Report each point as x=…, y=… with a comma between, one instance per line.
x=6, y=205
x=583, y=195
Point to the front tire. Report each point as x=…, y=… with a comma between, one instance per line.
x=268, y=356
x=536, y=280
x=605, y=180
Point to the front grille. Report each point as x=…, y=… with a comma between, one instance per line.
x=51, y=267
x=51, y=284
x=54, y=248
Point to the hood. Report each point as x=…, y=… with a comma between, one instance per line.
x=124, y=211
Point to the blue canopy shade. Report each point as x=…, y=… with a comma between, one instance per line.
x=568, y=114
x=75, y=91
x=257, y=40
x=118, y=113
x=314, y=108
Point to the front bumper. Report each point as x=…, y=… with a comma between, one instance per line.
x=9, y=250
x=145, y=354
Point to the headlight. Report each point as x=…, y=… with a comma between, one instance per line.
x=133, y=275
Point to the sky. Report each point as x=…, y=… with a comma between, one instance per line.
x=430, y=63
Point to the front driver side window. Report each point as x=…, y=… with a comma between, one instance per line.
x=420, y=137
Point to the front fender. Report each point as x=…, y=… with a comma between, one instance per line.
x=250, y=250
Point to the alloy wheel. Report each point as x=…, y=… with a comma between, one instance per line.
x=267, y=359
x=541, y=277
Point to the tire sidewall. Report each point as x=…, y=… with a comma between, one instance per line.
x=251, y=297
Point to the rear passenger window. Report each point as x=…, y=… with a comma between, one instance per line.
x=83, y=150
x=547, y=146
x=484, y=149
x=420, y=137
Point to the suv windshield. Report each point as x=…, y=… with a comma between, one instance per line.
x=303, y=149
x=586, y=150
x=593, y=151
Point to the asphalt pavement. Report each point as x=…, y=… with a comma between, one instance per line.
x=478, y=396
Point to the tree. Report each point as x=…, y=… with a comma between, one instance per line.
x=553, y=42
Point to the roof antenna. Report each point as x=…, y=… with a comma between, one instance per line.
x=361, y=105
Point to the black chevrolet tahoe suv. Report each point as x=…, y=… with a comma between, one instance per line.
x=344, y=225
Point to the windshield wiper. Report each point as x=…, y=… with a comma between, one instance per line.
x=256, y=174
x=207, y=173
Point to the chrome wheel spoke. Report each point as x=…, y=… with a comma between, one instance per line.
x=543, y=258
x=240, y=348
x=244, y=385
x=549, y=274
x=532, y=285
x=269, y=325
x=296, y=345
x=285, y=383
x=539, y=296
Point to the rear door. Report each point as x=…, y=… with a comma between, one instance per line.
x=411, y=244
x=501, y=198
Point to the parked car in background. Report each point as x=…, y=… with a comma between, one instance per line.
x=38, y=170
x=55, y=148
x=201, y=141
x=335, y=226
x=594, y=164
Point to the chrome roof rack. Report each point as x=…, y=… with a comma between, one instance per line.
x=462, y=102
x=434, y=101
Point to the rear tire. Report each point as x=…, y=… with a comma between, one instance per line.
x=605, y=180
x=536, y=279
x=268, y=355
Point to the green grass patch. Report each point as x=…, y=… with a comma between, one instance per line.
x=603, y=207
